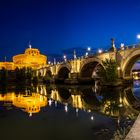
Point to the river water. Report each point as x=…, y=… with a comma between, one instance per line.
x=58, y=112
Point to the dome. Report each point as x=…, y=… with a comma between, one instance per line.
x=30, y=58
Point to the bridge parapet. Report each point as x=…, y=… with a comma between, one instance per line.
x=125, y=58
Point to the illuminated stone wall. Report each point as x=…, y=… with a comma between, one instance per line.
x=31, y=58
x=7, y=65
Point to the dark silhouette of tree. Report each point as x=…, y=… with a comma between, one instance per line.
x=3, y=76
x=109, y=73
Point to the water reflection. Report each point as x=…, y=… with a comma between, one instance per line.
x=28, y=102
x=94, y=110
x=114, y=102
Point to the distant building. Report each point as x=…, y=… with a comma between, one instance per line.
x=31, y=58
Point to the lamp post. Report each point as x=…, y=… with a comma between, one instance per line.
x=86, y=54
x=100, y=51
x=65, y=58
x=49, y=62
x=138, y=37
x=118, y=68
x=89, y=50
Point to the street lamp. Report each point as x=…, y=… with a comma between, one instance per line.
x=118, y=68
x=89, y=49
x=65, y=58
x=86, y=54
x=100, y=51
x=138, y=37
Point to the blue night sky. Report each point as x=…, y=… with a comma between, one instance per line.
x=59, y=26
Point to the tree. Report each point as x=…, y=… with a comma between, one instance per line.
x=109, y=73
x=3, y=76
x=24, y=75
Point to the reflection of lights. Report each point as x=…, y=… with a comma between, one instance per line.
x=137, y=83
x=55, y=103
x=118, y=68
x=118, y=121
x=30, y=114
x=89, y=110
x=120, y=105
x=50, y=102
x=92, y=118
x=66, y=107
x=77, y=110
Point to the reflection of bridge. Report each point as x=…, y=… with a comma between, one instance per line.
x=114, y=103
x=86, y=67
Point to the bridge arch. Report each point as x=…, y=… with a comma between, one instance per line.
x=48, y=73
x=127, y=66
x=64, y=95
x=63, y=71
x=88, y=66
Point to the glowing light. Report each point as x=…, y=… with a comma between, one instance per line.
x=66, y=107
x=55, y=103
x=100, y=51
x=89, y=49
x=118, y=68
x=50, y=102
x=30, y=114
x=138, y=36
x=86, y=54
x=64, y=56
x=92, y=118
x=77, y=110
x=89, y=110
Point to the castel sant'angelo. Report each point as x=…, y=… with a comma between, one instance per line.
x=31, y=58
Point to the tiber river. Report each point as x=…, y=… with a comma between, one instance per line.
x=68, y=112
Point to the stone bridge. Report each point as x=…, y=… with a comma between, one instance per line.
x=86, y=67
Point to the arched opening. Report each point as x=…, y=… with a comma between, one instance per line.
x=87, y=69
x=136, y=70
x=132, y=68
x=48, y=76
x=64, y=93
x=63, y=74
x=90, y=99
x=96, y=72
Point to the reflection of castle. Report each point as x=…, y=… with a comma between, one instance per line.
x=29, y=103
x=31, y=58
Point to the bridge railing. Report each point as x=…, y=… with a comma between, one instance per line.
x=131, y=46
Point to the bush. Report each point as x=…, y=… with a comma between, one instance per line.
x=109, y=73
